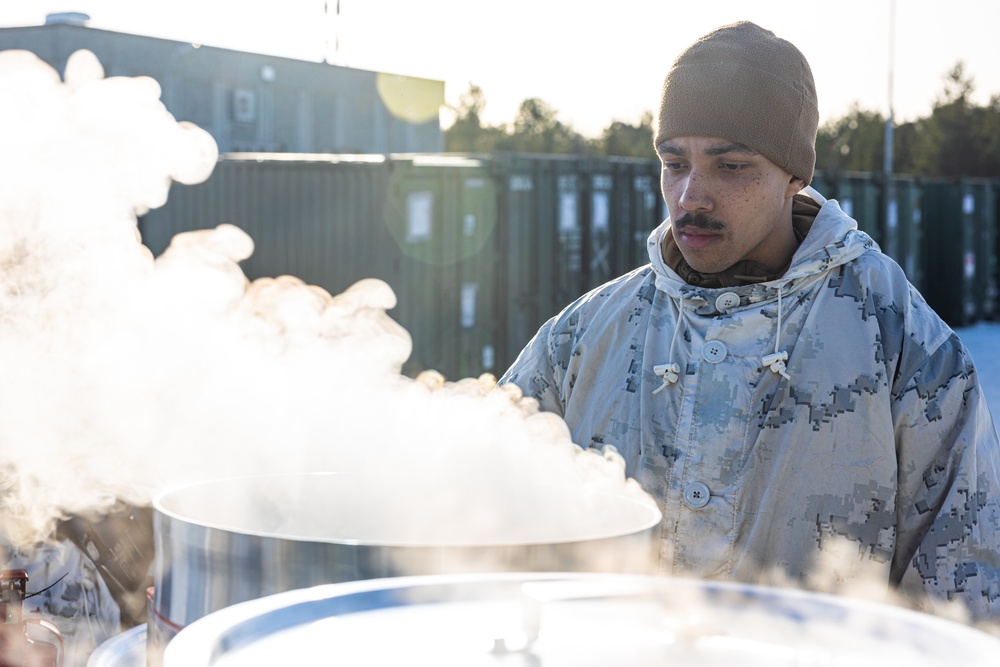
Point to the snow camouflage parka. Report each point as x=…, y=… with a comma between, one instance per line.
x=872, y=442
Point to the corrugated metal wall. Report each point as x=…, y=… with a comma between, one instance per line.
x=442, y=217
x=320, y=220
x=423, y=225
x=961, y=249
x=481, y=250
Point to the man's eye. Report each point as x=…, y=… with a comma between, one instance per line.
x=673, y=166
x=732, y=166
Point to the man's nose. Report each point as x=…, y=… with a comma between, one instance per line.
x=695, y=195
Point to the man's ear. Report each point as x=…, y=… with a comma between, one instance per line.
x=794, y=185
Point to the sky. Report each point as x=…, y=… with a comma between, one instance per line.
x=594, y=62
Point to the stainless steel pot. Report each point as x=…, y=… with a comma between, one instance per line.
x=227, y=541
x=571, y=620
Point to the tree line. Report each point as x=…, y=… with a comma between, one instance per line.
x=958, y=138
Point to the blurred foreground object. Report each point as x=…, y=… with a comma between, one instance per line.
x=17, y=649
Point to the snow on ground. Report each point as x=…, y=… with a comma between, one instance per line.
x=983, y=341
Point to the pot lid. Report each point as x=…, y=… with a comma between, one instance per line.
x=571, y=619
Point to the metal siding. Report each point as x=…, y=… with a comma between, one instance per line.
x=569, y=270
x=597, y=184
x=544, y=237
x=284, y=128
x=312, y=220
x=994, y=196
x=520, y=255
x=637, y=210
x=324, y=121
x=909, y=231
x=859, y=195
x=175, y=65
x=435, y=267
x=949, y=252
x=984, y=240
x=481, y=269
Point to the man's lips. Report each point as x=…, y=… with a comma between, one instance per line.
x=697, y=238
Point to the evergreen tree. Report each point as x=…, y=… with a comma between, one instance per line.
x=467, y=134
x=855, y=142
x=627, y=140
x=538, y=130
x=945, y=143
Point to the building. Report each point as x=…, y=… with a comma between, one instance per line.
x=254, y=102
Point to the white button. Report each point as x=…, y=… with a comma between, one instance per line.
x=714, y=351
x=727, y=300
x=696, y=494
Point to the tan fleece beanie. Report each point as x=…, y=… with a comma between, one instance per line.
x=743, y=83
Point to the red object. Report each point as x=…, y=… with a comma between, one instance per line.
x=16, y=648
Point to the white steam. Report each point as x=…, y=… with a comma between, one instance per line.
x=122, y=375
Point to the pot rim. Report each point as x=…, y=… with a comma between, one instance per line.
x=639, y=528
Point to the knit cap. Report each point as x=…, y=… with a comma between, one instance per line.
x=745, y=84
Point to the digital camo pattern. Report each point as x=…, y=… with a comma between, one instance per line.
x=877, y=458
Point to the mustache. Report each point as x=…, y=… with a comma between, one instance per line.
x=699, y=221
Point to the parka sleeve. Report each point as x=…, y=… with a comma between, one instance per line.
x=948, y=509
x=535, y=372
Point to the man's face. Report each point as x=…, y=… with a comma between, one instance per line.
x=726, y=203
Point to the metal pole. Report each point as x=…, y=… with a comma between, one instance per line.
x=889, y=122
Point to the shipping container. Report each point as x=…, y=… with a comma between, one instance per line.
x=597, y=181
x=638, y=210
x=959, y=249
x=860, y=196
x=995, y=312
x=571, y=224
x=423, y=224
x=319, y=218
x=541, y=209
x=442, y=213
x=888, y=210
x=903, y=228
x=989, y=280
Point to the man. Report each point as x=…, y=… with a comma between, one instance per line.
x=771, y=377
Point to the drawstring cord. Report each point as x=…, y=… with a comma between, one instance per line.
x=776, y=361
x=670, y=372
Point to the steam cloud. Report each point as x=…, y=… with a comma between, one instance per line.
x=123, y=375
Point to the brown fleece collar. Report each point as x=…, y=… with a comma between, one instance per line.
x=743, y=272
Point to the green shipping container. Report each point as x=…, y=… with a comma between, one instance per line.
x=860, y=196
x=959, y=249
x=903, y=228
x=571, y=224
x=318, y=218
x=638, y=209
x=442, y=213
x=542, y=211
x=987, y=220
x=423, y=224
x=600, y=220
